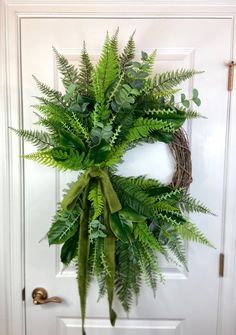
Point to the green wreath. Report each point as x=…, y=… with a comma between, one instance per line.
x=114, y=227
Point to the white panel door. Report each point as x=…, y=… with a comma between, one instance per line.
x=187, y=304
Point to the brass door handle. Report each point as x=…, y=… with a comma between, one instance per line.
x=40, y=296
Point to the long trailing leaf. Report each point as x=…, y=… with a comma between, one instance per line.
x=64, y=226
x=69, y=249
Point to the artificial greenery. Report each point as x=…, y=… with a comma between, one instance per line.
x=114, y=227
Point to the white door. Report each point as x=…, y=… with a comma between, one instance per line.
x=188, y=302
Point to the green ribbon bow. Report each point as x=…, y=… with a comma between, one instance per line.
x=78, y=187
x=112, y=205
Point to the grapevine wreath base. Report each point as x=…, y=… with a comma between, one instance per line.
x=114, y=227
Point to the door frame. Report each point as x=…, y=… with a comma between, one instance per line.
x=12, y=319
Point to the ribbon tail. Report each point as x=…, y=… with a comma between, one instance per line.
x=83, y=253
x=109, y=193
x=109, y=252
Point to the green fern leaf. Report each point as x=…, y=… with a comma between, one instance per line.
x=68, y=71
x=128, y=53
x=114, y=44
x=128, y=276
x=176, y=245
x=189, y=204
x=106, y=71
x=53, y=95
x=189, y=231
x=170, y=79
x=96, y=257
x=77, y=128
x=61, y=158
x=85, y=74
x=145, y=183
x=149, y=267
x=144, y=127
x=96, y=198
x=40, y=139
x=132, y=196
x=145, y=236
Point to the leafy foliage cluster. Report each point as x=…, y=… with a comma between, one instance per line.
x=105, y=111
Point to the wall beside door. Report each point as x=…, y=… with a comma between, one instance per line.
x=11, y=205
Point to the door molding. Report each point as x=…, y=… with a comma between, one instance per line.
x=12, y=322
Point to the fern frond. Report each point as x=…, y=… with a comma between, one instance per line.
x=177, y=248
x=162, y=206
x=128, y=53
x=148, y=264
x=189, y=204
x=128, y=276
x=116, y=88
x=171, y=194
x=116, y=154
x=170, y=79
x=78, y=128
x=96, y=258
x=40, y=139
x=145, y=236
x=53, y=95
x=85, y=74
x=145, y=183
x=190, y=232
x=149, y=62
x=106, y=71
x=114, y=44
x=44, y=157
x=132, y=196
x=64, y=160
x=96, y=198
x=52, y=125
x=188, y=112
x=171, y=218
x=160, y=112
x=144, y=127
x=115, y=136
x=68, y=71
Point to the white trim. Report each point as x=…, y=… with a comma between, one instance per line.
x=11, y=192
x=227, y=305
x=4, y=234
x=184, y=3
x=11, y=248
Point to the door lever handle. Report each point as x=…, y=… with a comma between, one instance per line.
x=40, y=296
